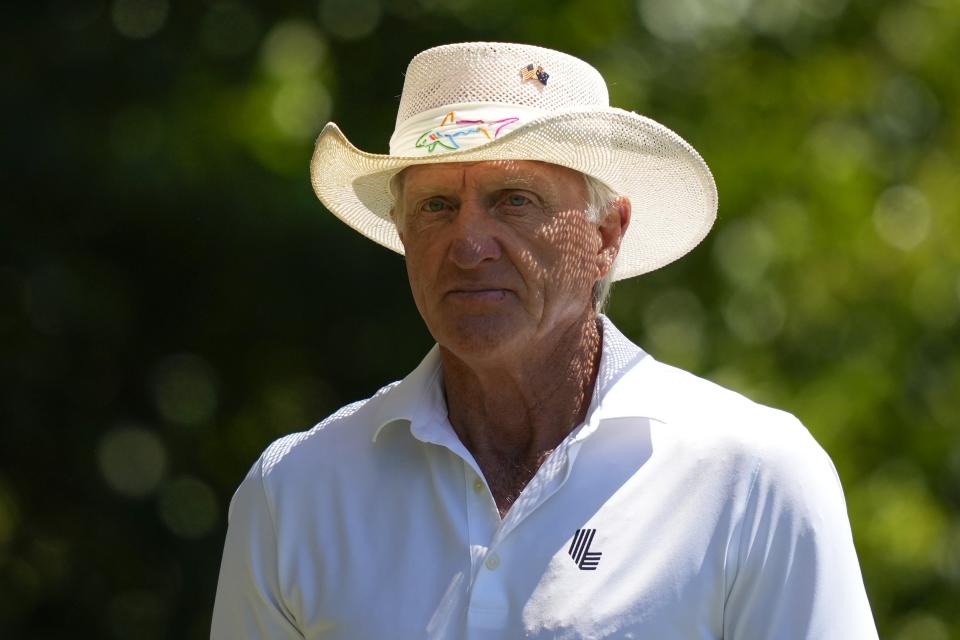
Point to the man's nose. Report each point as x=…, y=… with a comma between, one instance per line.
x=474, y=236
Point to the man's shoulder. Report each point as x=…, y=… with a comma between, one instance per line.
x=349, y=427
x=698, y=409
x=677, y=395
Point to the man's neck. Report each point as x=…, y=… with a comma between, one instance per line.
x=512, y=414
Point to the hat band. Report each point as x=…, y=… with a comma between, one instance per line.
x=457, y=126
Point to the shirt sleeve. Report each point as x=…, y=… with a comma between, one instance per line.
x=797, y=573
x=248, y=603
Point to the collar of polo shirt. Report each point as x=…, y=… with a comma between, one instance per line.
x=418, y=401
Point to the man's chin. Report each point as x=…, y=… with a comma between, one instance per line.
x=481, y=335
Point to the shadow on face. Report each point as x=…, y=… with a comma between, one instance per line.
x=501, y=256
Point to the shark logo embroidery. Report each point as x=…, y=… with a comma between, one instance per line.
x=445, y=135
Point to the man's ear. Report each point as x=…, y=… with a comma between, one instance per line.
x=612, y=225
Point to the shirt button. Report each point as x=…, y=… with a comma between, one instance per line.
x=492, y=562
x=478, y=486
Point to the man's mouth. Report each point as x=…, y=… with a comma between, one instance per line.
x=478, y=294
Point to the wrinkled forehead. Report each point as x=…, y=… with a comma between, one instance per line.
x=500, y=173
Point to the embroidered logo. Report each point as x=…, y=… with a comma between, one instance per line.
x=580, y=550
x=452, y=128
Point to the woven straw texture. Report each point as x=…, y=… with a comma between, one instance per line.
x=670, y=187
x=490, y=72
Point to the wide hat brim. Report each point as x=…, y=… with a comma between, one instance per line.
x=670, y=187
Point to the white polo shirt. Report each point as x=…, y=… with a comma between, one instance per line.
x=678, y=509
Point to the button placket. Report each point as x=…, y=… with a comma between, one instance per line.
x=482, y=518
x=487, y=606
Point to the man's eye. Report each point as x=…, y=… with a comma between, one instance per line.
x=517, y=200
x=434, y=205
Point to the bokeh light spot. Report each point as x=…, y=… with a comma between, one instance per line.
x=906, y=31
x=841, y=150
x=895, y=495
x=902, y=217
x=185, y=389
x=139, y=19
x=744, y=249
x=301, y=108
x=295, y=401
x=132, y=460
x=350, y=19
x=776, y=17
x=788, y=223
x=188, y=506
x=922, y=626
x=293, y=49
x=689, y=20
x=905, y=109
x=755, y=316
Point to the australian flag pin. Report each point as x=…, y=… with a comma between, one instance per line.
x=534, y=72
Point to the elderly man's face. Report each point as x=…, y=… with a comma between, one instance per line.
x=499, y=253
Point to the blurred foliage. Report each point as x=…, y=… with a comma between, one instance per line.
x=174, y=297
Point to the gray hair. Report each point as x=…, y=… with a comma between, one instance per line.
x=599, y=198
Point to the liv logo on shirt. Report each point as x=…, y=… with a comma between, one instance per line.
x=580, y=550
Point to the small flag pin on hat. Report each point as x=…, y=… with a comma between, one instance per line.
x=534, y=72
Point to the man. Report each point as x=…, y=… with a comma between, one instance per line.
x=537, y=475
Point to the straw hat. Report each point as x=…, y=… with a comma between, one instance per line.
x=496, y=101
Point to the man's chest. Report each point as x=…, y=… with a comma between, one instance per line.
x=580, y=554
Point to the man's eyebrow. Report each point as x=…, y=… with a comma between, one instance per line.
x=431, y=188
x=519, y=180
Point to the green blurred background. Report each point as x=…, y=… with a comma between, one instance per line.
x=173, y=297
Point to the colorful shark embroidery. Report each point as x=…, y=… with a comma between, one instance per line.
x=445, y=135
